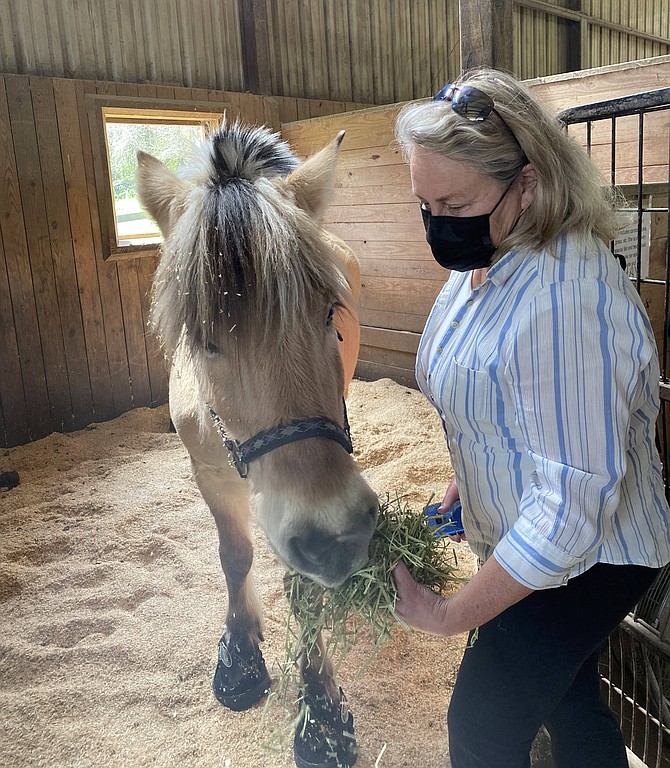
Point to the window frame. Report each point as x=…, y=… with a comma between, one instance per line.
x=134, y=109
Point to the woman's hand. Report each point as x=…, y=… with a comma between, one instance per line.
x=488, y=593
x=419, y=606
x=451, y=495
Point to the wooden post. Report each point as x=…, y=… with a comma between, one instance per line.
x=255, y=52
x=487, y=34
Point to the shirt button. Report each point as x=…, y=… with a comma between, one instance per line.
x=454, y=324
x=439, y=350
x=470, y=303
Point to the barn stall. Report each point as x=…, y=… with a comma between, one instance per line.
x=98, y=584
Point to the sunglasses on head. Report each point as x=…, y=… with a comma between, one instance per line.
x=472, y=104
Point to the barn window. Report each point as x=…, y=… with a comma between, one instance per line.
x=120, y=127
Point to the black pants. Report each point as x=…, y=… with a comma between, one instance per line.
x=537, y=663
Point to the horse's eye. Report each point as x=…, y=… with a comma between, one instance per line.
x=212, y=349
x=331, y=313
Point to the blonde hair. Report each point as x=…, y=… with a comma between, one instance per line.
x=570, y=197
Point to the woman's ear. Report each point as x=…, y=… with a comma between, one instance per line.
x=528, y=185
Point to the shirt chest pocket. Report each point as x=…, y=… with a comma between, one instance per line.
x=470, y=396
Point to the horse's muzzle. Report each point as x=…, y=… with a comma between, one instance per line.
x=329, y=559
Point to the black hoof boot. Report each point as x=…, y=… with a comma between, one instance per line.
x=324, y=735
x=241, y=678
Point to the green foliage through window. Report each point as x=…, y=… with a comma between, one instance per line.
x=172, y=144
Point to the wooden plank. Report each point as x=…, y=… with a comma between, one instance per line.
x=383, y=59
x=309, y=63
x=384, y=338
x=438, y=45
x=380, y=249
x=274, y=53
x=200, y=53
x=402, y=41
x=401, y=321
x=67, y=109
x=368, y=213
x=387, y=356
x=84, y=31
x=186, y=43
x=369, y=371
x=559, y=92
x=150, y=40
x=339, y=51
x=361, y=50
x=378, y=193
x=406, y=269
x=158, y=373
x=8, y=58
x=128, y=314
x=37, y=38
x=39, y=253
x=133, y=328
x=62, y=253
x=385, y=175
x=420, y=52
x=388, y=293
x=97, y=25
x=303, y=108
x=14, y=427
x=364, y=128
x=107, y=271
x=411, y=231
x=295, y=68
x=271, y=113
x=288, y=111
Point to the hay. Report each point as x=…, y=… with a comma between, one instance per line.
x=366, y=601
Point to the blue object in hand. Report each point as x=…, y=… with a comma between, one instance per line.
x=445, y=524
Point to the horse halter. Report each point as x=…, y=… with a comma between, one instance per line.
x=242, y=454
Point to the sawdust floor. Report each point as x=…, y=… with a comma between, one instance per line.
x=113, y=601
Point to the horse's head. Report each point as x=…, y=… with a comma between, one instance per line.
x=246, y=287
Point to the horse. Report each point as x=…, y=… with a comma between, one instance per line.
x=253, y=302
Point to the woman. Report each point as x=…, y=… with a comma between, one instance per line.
x=541, y=361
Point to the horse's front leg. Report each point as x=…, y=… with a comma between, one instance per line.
x=241, y=678
x=324, y=735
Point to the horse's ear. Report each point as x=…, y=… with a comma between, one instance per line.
x=313, y=183
x=161, y=191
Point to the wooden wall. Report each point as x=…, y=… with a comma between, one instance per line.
x=555, y=36
x=373, y=51
x=73, y=347
x=376, y=214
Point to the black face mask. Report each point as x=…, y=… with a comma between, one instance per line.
x=461, y=242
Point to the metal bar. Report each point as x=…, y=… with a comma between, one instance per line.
x=640, y=179
x=621, y=107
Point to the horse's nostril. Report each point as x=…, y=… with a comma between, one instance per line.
x=311, y=549
x=374, y=509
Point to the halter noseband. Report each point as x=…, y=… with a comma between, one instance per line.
x=241, y=454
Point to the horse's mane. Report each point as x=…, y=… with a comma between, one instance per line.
x=243, y=262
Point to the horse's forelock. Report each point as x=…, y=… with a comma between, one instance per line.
x=240, y=151
x=243, y=262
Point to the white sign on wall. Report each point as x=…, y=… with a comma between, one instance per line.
x=626, y=244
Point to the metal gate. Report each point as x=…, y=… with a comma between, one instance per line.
x=629, y=140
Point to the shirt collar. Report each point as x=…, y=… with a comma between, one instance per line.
x=500, y=272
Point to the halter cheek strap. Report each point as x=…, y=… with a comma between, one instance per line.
x=241, y=454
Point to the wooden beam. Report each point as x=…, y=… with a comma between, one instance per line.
x=486, y=33
x=255, y=45
x=576, y=14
